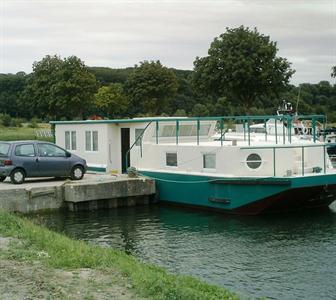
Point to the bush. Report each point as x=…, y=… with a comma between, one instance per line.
x=6, y=120
x=34, y=123
x=16, y=122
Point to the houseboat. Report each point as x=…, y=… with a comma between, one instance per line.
x=243, y=174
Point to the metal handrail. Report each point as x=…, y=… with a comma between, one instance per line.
x=136, y=140
x=324, y=145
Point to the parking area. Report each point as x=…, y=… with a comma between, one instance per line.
x=54, y=182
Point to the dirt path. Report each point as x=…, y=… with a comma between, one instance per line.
x=26, y=280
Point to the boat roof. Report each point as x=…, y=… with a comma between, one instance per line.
x=186, y=119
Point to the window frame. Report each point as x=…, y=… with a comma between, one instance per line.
x=138, y=143
x=38, y=150
x=255, y=161
x=93, y=147
x=20, y=145
x=215, y=161
x=171, y=166
x=72, y=140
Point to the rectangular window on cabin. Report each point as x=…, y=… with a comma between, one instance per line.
x=138, y=132
x=67, y=140
x=70, y=140
x=94, y=140
x=91, y=140
x=209, y=161
x=73, y=140
x=88, y=144
x=171, y=159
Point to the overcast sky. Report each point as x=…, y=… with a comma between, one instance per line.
x=122, y=33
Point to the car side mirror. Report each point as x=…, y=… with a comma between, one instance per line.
x=68, y=154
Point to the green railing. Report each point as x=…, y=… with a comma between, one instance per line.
x=139, y=138
x=302, y=147
x=246, y=120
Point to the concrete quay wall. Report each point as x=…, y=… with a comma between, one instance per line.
x=89, y=194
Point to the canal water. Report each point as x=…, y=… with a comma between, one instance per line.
x=286, y=256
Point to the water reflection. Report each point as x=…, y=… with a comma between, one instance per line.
x=289, y=256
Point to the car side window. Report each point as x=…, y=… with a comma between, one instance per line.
x=25, y=150
x=47, y=150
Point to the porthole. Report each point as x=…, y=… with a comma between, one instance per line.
x=253, y=161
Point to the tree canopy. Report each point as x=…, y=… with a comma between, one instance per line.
x=112, y=101
x=150, y=87
x=242, y=65
x=60, y=87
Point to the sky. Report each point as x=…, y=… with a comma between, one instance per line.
x=120, y=34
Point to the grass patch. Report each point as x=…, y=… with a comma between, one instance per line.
x=22, y=133
x=59, y=251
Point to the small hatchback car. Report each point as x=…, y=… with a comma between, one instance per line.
x=22, y=159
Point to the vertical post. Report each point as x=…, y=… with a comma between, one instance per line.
x=265, y=130
x=314, y=129
x=157, y=132
x=177, y=131
x=221, y=131
x=274, y=161
x=53, y=131
x=302, y=159
x=324, y=128
x=276, y=130
x=289, y=128
x=244, y=130
x=324, y=159
x=248, y=132
x=198, y=130
x=283, y=131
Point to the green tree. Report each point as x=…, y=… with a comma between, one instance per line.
x=60, y=87
x=112, y=100
x=11, y=86
x=242, y=65
x=150, y=87
x=180, y=113
x=200, y=110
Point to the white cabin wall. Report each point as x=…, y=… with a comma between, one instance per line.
x=230, y=161
x=92, y=157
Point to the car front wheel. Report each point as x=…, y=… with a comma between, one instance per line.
x=77, y=173
x=18, y=176
x=2, y=178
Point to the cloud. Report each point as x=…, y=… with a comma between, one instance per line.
x=122, y=33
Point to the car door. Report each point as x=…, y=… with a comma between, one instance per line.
x=52, y=160
x=25, y=157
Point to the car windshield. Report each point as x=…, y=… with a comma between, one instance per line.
x=4, y=148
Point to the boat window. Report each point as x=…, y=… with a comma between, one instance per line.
x=138, y=132
x=204, y=129
x=91, y=140
x=209, y=161
x=253, y=161
x=184, y=130
x=257, y=130
x=70, y=140
x=171, y=159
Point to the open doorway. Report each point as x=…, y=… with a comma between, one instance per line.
x=125, y=145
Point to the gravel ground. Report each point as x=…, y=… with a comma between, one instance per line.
x=31, y=280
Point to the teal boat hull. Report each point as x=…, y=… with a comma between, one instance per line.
x=250, y=196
